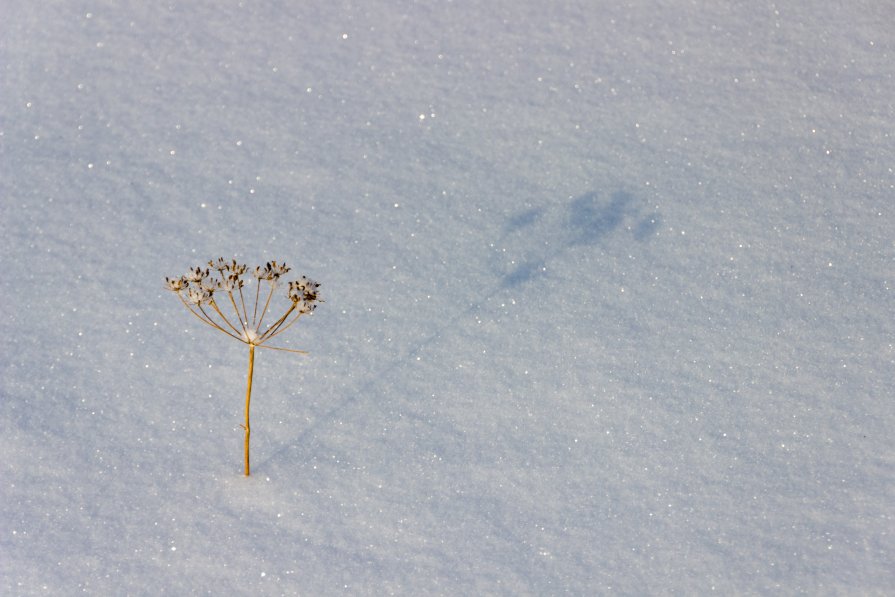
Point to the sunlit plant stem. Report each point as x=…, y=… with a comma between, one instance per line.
x=247, y=426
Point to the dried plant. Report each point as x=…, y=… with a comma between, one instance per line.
x=200, y=289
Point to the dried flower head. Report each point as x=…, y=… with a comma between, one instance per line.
x=220, y=265
x=196, y=275
x=176, y=284
x=199, y=291
x=198, y=296
x=271, y=271
x=303, y=289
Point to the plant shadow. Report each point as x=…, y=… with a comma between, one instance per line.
x=529, y=243
x=535, y=237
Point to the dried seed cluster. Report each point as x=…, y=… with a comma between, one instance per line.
x=200, y=290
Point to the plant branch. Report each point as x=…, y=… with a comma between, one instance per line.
x=266, y=303
x=283, y=328
x=236, y=309
x=224, y=317
x=269, y=332
x=281, y=348
x=204, y=318
x=255, y=313
x=245, y=313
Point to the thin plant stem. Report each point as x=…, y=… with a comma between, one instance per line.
x=283, y=328
x=295, y=350
x=190, y=309
x=247, y=426
x=224, y=317
x=245, y=313
x=269, y=332
x=257, y=294
x=206, y=319
x=266, y=303
x=235, y=308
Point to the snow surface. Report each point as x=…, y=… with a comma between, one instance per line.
x=609, y=297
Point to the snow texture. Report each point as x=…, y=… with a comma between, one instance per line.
x=609, y=297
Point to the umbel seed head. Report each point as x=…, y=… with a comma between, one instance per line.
x=213, y=292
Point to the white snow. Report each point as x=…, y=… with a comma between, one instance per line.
x=609, y=298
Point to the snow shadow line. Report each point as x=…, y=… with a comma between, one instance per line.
x=583, y=221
